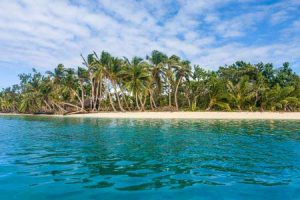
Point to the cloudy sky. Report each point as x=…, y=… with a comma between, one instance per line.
x=43, y=33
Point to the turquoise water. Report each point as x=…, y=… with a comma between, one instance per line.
x=55, y=158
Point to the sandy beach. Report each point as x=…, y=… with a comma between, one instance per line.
x=182, y=115
x=194, y=115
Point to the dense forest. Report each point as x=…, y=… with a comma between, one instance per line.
x=158, y=83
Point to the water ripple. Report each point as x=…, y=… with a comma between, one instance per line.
x=147, y=155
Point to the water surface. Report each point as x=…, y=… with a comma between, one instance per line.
x=61, y=158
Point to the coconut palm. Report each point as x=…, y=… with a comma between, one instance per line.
x=83, y=76
x=240, y=93
x=137, y=80
x=280, y=98
x=111, y=68
x=90, y=64
x=216, y=92
x=182, y=69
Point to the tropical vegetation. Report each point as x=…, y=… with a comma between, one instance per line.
x=158, y=83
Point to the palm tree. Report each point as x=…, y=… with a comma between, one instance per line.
x=137, y=79
x=90, y=63
x=70, y=89
x=280, y=98
x=45, y=90
x=99, y=76
x=109, y=82
x=158, y=62
x=111, y=69
x=114, y=76
x=182, y=70
x=169, y=77
x=57, y=74
x=9, y=99
x=240, y=93
x=82, y=75
x=216, y=93
x=196, y=87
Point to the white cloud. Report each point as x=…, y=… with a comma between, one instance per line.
x=44, y=33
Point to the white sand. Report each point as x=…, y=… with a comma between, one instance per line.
x=186, y=115
x=193, y=115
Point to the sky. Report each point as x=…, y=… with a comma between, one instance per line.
x=43, y=33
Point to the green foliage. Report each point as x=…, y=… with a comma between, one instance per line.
x=158, y=82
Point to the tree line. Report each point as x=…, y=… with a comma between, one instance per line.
x=159, y=83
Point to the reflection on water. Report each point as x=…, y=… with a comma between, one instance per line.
x=67, y=158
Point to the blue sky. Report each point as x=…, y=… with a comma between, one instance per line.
x=210, y=33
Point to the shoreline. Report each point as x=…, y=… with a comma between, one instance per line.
x=178, y=115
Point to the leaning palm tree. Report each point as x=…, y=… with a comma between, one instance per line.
x=69, y=89
x=90, y=64
x=45, y=90
x=111, y=69
x=115, y=68
x=31, y=97
x=30, y=102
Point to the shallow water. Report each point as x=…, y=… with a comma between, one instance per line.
x=60, y=158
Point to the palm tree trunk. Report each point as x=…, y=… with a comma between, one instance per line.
x=239, y=108
x=100, y=95
x=137, y=101
x=195, y=100
x=47, y=105
x=92, y=100
x=212, y=102
x=285, y=108
x=142, y=103
x=61, y=108
x=262, y=108
x=72, y=105
x=256, y=99
x=170, y=95
x=82, y=95
x=151, y=105
x=119, y=102
x=189, y=101
x=91, y=80
x=126, y=103
x=80, y=100
x=153, y=102
x=152, y=99
x=97, y=95
x=176, y=92
x=111, y=102
x=118, y=98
